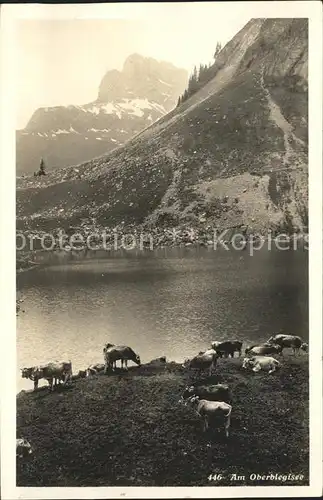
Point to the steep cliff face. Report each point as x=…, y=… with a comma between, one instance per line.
x=144, y=77
x=233, y=153
x=128, y=101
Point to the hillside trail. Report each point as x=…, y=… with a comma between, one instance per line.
x=278, y=118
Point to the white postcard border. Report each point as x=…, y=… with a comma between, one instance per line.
x=9, y=16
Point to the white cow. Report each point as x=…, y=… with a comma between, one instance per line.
x=265, y=363
x=23, y=448
x=217, y=413
x=209, y=351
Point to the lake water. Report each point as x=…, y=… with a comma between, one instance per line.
x=170, y=302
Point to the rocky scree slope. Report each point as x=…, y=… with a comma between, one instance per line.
x=234, y=153
x=127, y=102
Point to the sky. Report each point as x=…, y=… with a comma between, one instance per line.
x=62, y=61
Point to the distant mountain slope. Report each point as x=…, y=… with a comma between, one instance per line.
x=233, y=153
x=128, y=101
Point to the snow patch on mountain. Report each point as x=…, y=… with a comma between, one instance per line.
x=61, y=131
x=134, y=107
x=165, y=83
x=99, y=130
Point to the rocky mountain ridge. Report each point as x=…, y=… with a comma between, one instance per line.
x=128, y=101
x=234, y=153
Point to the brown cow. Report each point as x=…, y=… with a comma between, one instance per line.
x=52, y=372
x=227, y=347
x=113, y=353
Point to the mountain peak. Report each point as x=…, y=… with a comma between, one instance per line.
x=146, y=78
x=128, y=101
x=134, y=58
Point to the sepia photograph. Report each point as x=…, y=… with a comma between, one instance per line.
x=166, y=176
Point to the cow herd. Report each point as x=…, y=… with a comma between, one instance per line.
x=211, y=402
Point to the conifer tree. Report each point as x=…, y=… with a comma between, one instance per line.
x=200, y=77
x=217, y=49
x=42, y=167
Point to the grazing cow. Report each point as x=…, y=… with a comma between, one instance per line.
x=261, y=350
x=23, y=448
x=286, y=341
x=215, y=413
x=122, y=352
x=218, y=392
x=94, y=369
x=227, y=348
x=52, y=372
x=204, y=361
x=257, y=363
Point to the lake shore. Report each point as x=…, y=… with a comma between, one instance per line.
x=29, y=259
x=128, y=429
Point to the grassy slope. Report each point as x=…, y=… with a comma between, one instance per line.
x=149, y=177
x=130, y=429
